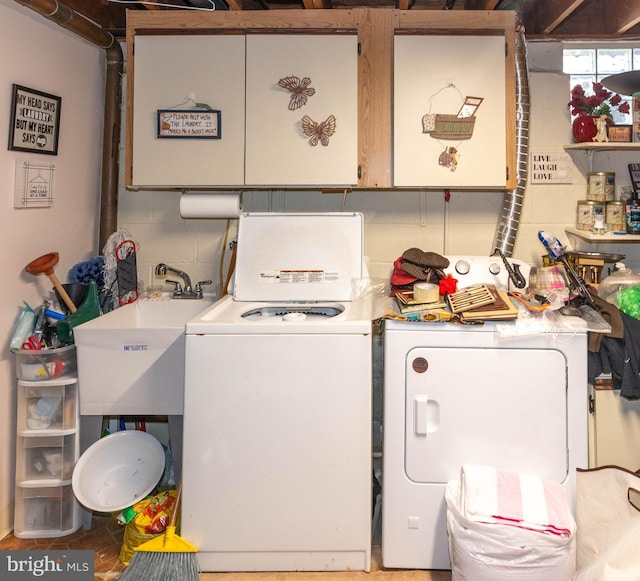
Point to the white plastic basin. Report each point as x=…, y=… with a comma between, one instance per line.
x=118, y=470
x=131, y=360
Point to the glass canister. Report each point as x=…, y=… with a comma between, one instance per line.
x=601, y=186
x=615, y=216
x=587, y=209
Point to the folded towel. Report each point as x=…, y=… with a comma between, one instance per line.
x=490, y=495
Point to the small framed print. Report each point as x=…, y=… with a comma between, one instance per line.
x=35, y=121
x=189, y=124
x=619, y=133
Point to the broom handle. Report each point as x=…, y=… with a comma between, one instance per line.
x=176, y=506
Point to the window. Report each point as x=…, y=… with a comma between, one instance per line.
x=589, y=64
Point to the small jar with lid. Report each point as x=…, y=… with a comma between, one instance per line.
x=601, y=186
x=615, y=216
x=587, y=209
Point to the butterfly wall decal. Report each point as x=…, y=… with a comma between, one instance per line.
x=319, y=131
x=300, y=90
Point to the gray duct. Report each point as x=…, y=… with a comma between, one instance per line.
x=509, y=221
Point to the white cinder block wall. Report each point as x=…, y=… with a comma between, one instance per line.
x=397, y=220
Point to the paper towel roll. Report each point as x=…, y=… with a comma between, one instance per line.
x=210, y=205
x=425, y=292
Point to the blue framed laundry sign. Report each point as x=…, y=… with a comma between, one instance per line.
x=189, y=124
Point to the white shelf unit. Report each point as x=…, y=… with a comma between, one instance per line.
x=592, y=148
x=607, y=237
x=47, y=449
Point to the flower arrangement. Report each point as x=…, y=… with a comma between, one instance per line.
x=602, y=102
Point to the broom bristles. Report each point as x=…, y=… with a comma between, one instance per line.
x=162, y=567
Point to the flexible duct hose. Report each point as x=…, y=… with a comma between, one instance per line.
x=507, y=228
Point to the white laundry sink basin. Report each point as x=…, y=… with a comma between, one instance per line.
x=131, y=360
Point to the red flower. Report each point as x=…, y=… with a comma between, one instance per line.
x=601, y=102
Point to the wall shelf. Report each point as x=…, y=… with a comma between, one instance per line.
x=607, y=146
x=608, y=237
x=591, y=148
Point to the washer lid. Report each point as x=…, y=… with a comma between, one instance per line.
x=298, y=257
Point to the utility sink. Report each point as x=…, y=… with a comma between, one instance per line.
x=131, y=360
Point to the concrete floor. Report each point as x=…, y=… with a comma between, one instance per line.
x=105, y=538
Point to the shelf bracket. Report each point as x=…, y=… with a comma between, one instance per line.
x=590, y=153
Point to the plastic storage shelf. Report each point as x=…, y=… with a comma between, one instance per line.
x=46, y=511
x=47, y=364
x=47, y=443
x=41, y=458
x=46, y=407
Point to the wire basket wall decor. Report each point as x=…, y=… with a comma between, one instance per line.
x=452, y=127
x=459, y=126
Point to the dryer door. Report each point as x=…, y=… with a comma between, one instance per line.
x=498, y=407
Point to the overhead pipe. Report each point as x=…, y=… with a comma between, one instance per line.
x=78, y=24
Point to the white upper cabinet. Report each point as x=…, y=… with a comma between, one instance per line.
x=302, y=110
x=288, y=113
x=369, y=77
x=435, y=143
x=169, y=68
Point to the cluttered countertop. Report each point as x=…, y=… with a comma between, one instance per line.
x=508, y=294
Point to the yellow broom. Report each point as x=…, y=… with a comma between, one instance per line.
x=166, y=557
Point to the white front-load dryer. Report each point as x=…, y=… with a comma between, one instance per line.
x=454, y=395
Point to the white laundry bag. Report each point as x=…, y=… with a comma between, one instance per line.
x=608, y=519
x=495, y=551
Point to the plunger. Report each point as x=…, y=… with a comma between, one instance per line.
x=44, y=265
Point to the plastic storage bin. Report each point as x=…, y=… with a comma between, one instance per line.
x=47, y=406
x=45, y=458
x=47, y=443
x=46, y=364
x=43, y=512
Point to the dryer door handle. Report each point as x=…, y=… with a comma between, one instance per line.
x=426, y=415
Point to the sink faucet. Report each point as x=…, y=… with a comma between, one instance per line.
x=179, y=292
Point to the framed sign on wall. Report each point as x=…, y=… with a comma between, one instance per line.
x=35, y=121
x=189, y=124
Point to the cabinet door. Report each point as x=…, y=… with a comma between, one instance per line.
x=278, y=152
x=167, y=70
x=433, y=75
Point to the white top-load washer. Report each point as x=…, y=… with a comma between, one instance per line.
x=277, y=436
x=456, y=394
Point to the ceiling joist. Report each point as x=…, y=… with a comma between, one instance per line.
x=549, y=19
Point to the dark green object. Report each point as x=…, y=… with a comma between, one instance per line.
x=89, y=309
